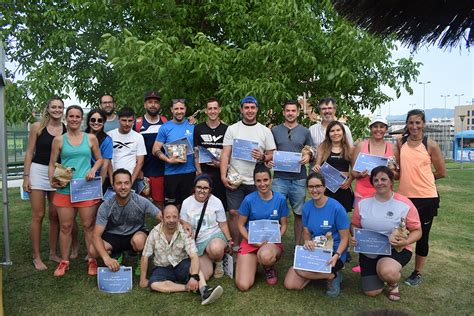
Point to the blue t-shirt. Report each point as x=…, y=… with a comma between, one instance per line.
x=171, y=131
x=152, y=166
x=106, y=151
x=331, y=217
x=255, y=208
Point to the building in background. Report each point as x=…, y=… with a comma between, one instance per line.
x=468, y=111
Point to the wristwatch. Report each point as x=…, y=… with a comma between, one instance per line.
x=194, y=276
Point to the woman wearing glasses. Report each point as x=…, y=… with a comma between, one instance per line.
x=213, y=237
x=322, y=215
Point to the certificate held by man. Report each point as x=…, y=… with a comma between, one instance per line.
x=84, y=190
x=371, y=242
x=264, y=230
x=333, y=177
x=287, y=161
x=242, y=149
x=205, y=156
x=115, y=282
x=369, y=162
x=315, y=260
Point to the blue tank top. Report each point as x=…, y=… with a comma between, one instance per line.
x=77, y=157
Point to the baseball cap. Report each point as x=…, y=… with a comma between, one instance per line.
x=378, y=119
x=152, y=95
x=249, y=99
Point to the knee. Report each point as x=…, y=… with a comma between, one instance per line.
x=243, y=285
x=138, y=242
x=66, y=228
x=216, y=251
x=390, y=273
x=290, y=285
x=37, y=216
x=234, y=213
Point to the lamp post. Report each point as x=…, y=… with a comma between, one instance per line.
x=462, y=139
x=444, y=127
x=424, y=92
x=459, y=98
x=412, y=105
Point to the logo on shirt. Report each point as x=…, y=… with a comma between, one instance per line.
x=188, y=132
x=325, y=224
x=120, y=145
x=210, y=138
x=389, y=214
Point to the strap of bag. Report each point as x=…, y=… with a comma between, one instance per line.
x=200, y=219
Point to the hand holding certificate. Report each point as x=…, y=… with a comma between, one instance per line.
x=206, y=156
x=85, y=190
x=369, y=162
x=315, y=260
x=242, y=149
x=114, y=282
x=333, y=177
x=287, y=161
x=371, y=242
x=264, y=231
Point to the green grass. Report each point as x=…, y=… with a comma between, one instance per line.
x=447, y=288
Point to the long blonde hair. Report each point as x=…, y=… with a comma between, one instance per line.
x=326, y=145
x=45, y=117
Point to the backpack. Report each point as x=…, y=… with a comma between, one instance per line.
x=139, y=122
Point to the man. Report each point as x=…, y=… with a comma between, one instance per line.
x=293, y=137
x=176, y=260
x=246, y=129
x=327, y=110
x=148, y=126
x=210, y=135
x=179, y=173
x=107, y=104
x=120, y=223
x=129, y=146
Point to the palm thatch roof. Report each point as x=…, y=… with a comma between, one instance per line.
x=414, y=22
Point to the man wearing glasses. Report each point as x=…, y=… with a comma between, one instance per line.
x=327, y=111
x=107, y=104
x=179, y=160
x=292, y=137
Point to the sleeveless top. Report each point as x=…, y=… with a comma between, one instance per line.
x=338, y=162
x=78, y=157
x=43, y=146
x=416, y=177
x=363, y=188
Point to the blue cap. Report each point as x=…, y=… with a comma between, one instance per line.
x=249, y=99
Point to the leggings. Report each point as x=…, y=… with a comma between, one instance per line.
x=427, y=210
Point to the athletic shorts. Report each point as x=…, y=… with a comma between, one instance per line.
x=201, y=247
x=235, y=197
x=157, y=188
x=64, y=200
x=120, y=243
x=178, y=274
x=370, y=281
x=178, y=187
x=39, y=179
x=246, y=248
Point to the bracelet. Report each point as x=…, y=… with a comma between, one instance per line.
x=26, y=175
x=337, y=253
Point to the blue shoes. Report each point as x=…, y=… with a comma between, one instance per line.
x=334, y=285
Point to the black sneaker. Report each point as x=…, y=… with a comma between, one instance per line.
x=414, y=279
x=210, y=294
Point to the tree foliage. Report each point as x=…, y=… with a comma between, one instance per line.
x=271, y=49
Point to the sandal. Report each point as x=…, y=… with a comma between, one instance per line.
x=393, y=292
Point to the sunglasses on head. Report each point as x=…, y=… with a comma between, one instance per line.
x=178, y=101
x=99, y=120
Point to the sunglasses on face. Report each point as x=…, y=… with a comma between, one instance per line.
x=99, y=120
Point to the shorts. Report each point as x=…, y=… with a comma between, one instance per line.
x=370, y=281
x=246, y=248
x=345, y=197
x=235, y=197
x=178, y=274
x=120, y=243
x=294, y=190
x=178, y=187
x=427, y=208
x=157, y=188
x=201, y=247
x=64, y=200
x=39, y=178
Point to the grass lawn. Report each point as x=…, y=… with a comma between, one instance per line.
x=448, y=286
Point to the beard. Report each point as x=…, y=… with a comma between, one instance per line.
x=153, y=112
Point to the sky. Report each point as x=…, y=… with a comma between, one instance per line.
x=451, y=72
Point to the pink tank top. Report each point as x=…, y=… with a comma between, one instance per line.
x=416, y=177
x=363, y=187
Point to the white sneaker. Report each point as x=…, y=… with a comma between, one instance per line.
x=219, y=270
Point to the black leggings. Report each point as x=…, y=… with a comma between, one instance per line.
x=427, y=210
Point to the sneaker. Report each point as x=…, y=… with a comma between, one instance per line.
x=92, y=267
x=356, y=269
x=219, y=270
x=61, y=269
x=334, y=285
x=414, y=279
x=271, y=275
x=210, y=295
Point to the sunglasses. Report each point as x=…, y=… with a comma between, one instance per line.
x=178, y=101
x=99, y=120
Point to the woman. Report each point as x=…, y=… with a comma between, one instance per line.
x=95, y=125
x=75, y=149
x=382, y=213
x=418, y=154
x=261, y=204
x=337, y=152
x=35, y=178
x=321, y=215
x=213, y=237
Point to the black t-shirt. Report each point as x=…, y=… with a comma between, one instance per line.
x=209, y=138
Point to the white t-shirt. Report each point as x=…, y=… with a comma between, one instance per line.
x=191, y=212
x=318, y=134
x=126, y=149
x=257, y=133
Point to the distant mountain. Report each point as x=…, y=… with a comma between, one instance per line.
x=430, y=114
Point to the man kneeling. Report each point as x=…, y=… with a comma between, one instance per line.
x=176, y=260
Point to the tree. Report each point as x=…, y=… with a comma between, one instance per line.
x=271, y=49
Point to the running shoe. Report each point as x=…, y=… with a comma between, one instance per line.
x=271, y=275
x=334, y=285
x=92, y=267
x=219, y=270
x=210, y=294
x=61, y=269
x=414, y=279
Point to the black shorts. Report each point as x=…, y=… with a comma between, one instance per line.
x=178, y=274
x=370, y=280
x=235, y=197
x=120, y=243
x=427, y=208
x=178, y=187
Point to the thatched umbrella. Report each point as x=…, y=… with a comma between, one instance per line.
x=414, y=22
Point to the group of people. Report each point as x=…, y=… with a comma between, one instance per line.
x=202, y=213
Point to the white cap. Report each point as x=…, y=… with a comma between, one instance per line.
x=378, y=119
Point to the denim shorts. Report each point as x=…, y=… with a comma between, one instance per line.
x=178, y=274
x=293, y=190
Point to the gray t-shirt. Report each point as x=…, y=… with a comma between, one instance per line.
x=127, y=219
x=112, y=124
x=291, y=140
